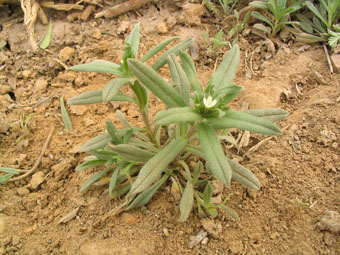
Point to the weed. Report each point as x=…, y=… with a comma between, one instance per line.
x=276, y=14
x=240, y=25
x=227, y=6
x=214, y=43
x=136, y=162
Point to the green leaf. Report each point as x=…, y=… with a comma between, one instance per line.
x=156, y=84
x=259, y=16
x=177, y=114
x=104, y=154
x=305, y=24
x=94, y=178
x=47, y=39
x=66, y=118
x=229, y=93
x=313, y=9
x=190, y=71
x=113, y=180
x=207, y=194
x=111, y=129
x=179, y=77
x=230, y=212
x=244, y=121
x=96, y=143
x=2, y=44
x=91, y=163
x=161, y=61
x=154, y=167
x=88, y=97
x=144, y=197
x=141, y=95
x=122, y=119
x=187, y=200
x=131, y=152
x=9, y=170
x=225, y=73
x=99, y=66
x=133, y=39
x=260, y=4
x=213, y=153
x=268, y=114
x=308, y=38
x=112, y=88
x=262, y=28
x=243, y=175
x=157, y=48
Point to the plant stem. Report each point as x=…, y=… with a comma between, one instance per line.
x=147, y=126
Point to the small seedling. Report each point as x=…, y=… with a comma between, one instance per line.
x=240, y=25
x=24, y=122
x=136, y=162
x=276, y=14
x=215, y=43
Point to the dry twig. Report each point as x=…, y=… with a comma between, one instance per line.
x=37, y=163
x=328, y=59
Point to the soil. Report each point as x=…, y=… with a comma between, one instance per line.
x=299, y=170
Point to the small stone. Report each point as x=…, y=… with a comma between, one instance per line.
x=15, y=240
x=327, y=238
x=212, y=228
x=2, y=225
x=4, y=89
x=205, y=241
x=79, y=81
x=26, y=74
x=124, y=26
x=69, y=76
x=65, y=54
x=236, y=247
x=40, y=85
x=37, y=179
x=330, y=221
x=128, y=218
x=161, y=28
x=319, y=78
x=166, y=232
x=336, y=62
x=78, y=109
x=22, y=191
x=192, y=13
x=96, y=34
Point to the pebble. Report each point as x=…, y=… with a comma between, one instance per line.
x=96, y=34
x=40, y=85
x=37, y=179
x=15, y=240
x=70, y=77
x=236, y=247
x=65, y=54
x=23, y=191
x=161, y=28
x=205, y=241
x=166, y=231
x=78, y=110
x=211, y=227
x=336, y=62
x=26, y=74
x=128, y=218
x=330, y=221
x=124, y=26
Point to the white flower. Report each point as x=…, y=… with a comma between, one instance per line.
x=209, y=102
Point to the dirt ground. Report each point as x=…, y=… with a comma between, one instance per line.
x=299, y=170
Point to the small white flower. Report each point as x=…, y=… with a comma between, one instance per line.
x=209, y=102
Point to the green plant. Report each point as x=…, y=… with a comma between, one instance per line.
x=320, y=23
x=227, y=6
x=138, y=161
x=24, y=122
x=276, y=14
x=214, y=43
x=240, y=25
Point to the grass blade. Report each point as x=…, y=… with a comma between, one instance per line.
x=64, y=114
x=47, y=39
x=94, y=178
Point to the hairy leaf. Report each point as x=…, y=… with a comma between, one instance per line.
x=133, y=39
x=94, y=178
x=99, y=66
x=157, y=48
x=111, y=89
x=175, y=115
x=154, y=167
x=96, y=143
x=64, y=114
x=187, y=200
x=243, y=175
x=131, y=152
x=268, y=114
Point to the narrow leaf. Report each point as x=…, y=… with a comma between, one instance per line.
x=9, y=170
x=99, y=66
x=268, y=114
x=133, y=39
x=111, y=129
x=259, y=16
x=122, y=119
x=207, y=194
x=146, y=195
x=225, y=73
x=154, y=167
x=155, y=83
x=243, y=175
x=185, y=205
x=177, y=114
x=88, y=97
x=47, y=39
x=131, y=152
x=91, y=163
x=157, y=48
x=244, y=121
x=94, y=178
x=111, y=89
x=190, y=71
x=96, y=143
x=64, y=114
x=161, y=61
x=113, y=181
x=213, y=153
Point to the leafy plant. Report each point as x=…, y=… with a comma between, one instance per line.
x=9, y=173
x=24, y=125
x=214, y=43
x=138, y=161
x=240, y=25
x=276, y=14
x=320, y=23
x=227, y=6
